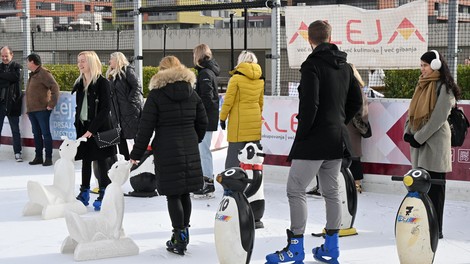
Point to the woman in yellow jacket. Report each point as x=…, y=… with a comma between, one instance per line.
x=243, y=105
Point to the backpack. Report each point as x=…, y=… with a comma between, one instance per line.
x=458, y=123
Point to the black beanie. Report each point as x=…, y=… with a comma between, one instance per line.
x=428, y=57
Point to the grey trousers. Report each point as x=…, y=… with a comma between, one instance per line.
x=301, y=174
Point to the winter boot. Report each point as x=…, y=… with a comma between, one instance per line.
x=97, y=202
x=207, y=190
x=178, y=242
x=294, y=251
x=329, y=249
x=84, y=195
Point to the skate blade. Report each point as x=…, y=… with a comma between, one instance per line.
x=95, y=190
x=204, y=196
x=175, y=251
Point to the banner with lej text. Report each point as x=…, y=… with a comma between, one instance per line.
x=386, y=38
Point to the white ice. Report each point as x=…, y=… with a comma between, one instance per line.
x=146, y=221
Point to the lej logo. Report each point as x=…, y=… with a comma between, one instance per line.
x=406, y=29
x=302, y=31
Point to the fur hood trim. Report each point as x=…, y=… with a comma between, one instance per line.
x=172, y=75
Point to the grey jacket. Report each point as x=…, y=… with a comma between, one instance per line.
x=435, y=154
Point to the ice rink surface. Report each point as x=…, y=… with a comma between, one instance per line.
x=146, y=221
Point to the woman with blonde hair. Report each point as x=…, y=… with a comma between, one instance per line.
x=126, y=96
x=243, y=106
x=175, y=114
x=207, y=89
x=92, y=116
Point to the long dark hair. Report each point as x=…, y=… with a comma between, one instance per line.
x=448, y=80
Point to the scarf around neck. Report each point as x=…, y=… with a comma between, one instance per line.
x=424, y=100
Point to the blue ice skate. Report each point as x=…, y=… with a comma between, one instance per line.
x=293, y=252
x=329, y=249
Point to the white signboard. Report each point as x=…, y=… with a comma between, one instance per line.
x=387, y=38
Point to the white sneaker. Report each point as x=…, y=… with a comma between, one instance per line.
x=18, y=157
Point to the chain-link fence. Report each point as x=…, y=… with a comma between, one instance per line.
x=58, y=30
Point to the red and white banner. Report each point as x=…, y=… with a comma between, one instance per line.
x=384, y=153
x=386, y=38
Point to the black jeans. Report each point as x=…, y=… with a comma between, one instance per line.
x=437, y=194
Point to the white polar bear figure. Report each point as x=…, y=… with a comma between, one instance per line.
x=102, y=236
x=51, y=201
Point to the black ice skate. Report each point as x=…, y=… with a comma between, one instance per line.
x=207, y=191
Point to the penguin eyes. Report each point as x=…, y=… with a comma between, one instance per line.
x=230, y=172
x=416, y=173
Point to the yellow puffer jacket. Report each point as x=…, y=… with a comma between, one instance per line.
x=243, y=103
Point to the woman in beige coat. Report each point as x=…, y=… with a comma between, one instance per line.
x=427, y=130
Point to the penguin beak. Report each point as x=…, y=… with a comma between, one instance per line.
x=218, y=178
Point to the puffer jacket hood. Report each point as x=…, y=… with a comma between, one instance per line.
x=330, y=54
x=211, y=65
x=251, y=70
x=170, y=81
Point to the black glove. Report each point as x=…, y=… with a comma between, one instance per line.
x=407, y=137
x=411, y=139
x=222, y=124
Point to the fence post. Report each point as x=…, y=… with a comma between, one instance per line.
x=452, y=35
x=276, y=48
x=27, y=39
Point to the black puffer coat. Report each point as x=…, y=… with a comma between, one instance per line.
x=126, y=94
x=207, y=89
x=10, y=91
x=97, y=123
x=329, y=97
x=175, y=113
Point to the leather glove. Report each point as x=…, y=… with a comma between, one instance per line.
x=407, y=137
x=222, y=124
x=411, y=139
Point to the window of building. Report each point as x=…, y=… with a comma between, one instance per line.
x=87, y=8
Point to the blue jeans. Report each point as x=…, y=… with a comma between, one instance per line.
x=14, y=125
x=206, y=155
x=42, y=132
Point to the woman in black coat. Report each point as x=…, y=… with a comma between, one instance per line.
x=92, y=116
x=175, y=115
x=207, y=89
x=127, y=99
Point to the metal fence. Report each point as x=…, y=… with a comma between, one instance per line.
x=58, y=30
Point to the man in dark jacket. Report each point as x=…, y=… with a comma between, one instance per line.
x=329, y=96
x=11, y=97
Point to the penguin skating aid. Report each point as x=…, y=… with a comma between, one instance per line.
x=234, y=227
x=416, y=224
x=251, y=159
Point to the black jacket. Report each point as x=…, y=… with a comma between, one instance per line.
x=174, y=113
x=329, y=96
x=126, y=95
x=207, y=89
x=98, y=102
x=10, y=89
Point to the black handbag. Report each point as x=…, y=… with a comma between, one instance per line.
x=458, y=123
x=111, y=137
